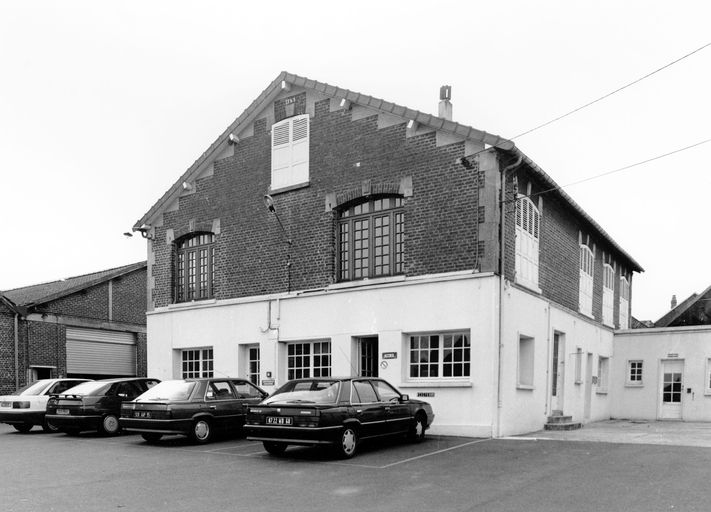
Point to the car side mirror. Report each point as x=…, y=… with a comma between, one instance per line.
x=404, y=398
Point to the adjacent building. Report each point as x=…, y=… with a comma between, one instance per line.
x=90, y=326
x=327, y=232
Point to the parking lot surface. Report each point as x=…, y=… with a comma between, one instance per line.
x=56, y=472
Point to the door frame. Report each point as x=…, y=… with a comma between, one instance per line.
x=660, y=388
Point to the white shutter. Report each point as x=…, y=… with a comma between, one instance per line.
x=290, y=151
x=527, y=243
x=100, y=352
x=608, y=295
x=586, y=280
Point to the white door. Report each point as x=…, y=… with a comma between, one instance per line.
x=672, y=387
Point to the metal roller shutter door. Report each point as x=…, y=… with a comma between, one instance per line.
x=99, y=352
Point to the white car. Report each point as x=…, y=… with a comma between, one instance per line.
x=27, y=407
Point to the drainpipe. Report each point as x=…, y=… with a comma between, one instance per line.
x=17, y=346
x=502, y=278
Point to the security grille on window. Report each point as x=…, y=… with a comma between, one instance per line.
x=197, y=363
x=587, y=270
x=371, y=239
x=195, y=268
x=309, y=359
x=290, y=152
x=440, y=356
x=634, y=373
x=528, y=220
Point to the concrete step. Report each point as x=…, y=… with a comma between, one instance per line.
x=559, y=419
x=568, y=425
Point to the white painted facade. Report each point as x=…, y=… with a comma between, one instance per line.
x=671, y=350
x=489, y=402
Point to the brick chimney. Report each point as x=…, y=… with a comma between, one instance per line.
x=445, y=106
x=673, y=302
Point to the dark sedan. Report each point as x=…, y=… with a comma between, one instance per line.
x=340, y=412
x=197, y=408
x=95, y=405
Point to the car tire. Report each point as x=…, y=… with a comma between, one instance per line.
x=50, y=427
x=110, y=425
x=151, y=438
x=417, y=429
x=274, y=448
x=347, y=444
x=23, y=427
x=201, y=431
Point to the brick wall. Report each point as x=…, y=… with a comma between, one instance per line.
x=7, y=350
x=129, y=298
x=88, y=303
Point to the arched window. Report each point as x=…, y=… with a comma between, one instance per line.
x=371, y=239
x=195, y=267
x=528, y=232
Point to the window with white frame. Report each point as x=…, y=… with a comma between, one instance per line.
x=587, y=271
x=578, y=365
x=290, y=152
x=196, y=363
x=608, y=294
x=253, y=364
x=526, y=348
x=308, y=359
x=624, y=303
x=528, y=225
x=444, y=355
x=634, y=372
x=603, y=374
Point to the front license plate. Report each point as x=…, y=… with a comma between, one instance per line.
x=141, y=414
x=279, y=420
x=62, y=411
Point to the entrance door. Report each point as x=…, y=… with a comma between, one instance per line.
x=557, y=372
x=368, y=356
x=671, y=390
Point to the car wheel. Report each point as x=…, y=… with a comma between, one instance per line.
x=417, y=430
x=347, y=444
x=23, y=427
x=48, y=426
x=150, y=437
x=110, y=425
x=273, y=448
x=201, y=431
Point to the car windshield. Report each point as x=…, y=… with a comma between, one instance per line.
x=36, y=388
x=306, y=392
x=89, y=388
x=169, y=390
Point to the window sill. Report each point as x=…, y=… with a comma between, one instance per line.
x=630, y=385
x=601, y=392
x=288, y=188
x=192, y=304
x=525, y=387
x=529, y=286
x=436, y=384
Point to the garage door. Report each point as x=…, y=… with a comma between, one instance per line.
x=100, y=352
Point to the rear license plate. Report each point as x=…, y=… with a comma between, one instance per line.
x=62, y=411
x=279, y=420
x=141, y=414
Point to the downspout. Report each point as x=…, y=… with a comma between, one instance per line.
x=17, y=347
x=502, y=279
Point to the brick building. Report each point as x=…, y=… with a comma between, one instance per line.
x=90, y=326
x=330, y=232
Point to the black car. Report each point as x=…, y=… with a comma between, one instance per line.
x=95, y=405
x=340, y=412
x=197, y=408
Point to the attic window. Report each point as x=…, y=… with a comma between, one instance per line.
x=290, y=152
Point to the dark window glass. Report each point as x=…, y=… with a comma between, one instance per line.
x=195, y=268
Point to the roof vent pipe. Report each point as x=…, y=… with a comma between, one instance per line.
x=673, y=302
x=445, y=106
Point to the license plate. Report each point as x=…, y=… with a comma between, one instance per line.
x=141, y=414
x=62, y=411
x=279, y=420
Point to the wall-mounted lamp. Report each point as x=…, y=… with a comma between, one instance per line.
x=269, y=203
x=144, y=230
x=187, y=186
x=232, y=139
x=345, y=104
x=465, y=162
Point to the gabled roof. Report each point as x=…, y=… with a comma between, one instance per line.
x=375, y=104
x=46, y=292
x=682, y=308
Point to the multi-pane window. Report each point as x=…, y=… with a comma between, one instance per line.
x=587, y=271
x=195, y=268
x=253, y=364
x=528, y=225
x=634, y=373
x=440, y=355
x=197, y=363
x=290, y=152
x=371, y=239
x=624, y=302
x=308, y=359
x=608, y=294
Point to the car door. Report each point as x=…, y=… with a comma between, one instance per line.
x=369, y=410
x=247, y=394
x=397, y=413
x=223, y=404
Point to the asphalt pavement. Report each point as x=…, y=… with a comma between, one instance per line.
x=55, y=472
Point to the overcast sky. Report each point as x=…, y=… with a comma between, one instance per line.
x=103, y=105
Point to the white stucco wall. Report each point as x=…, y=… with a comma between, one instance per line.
x=691, y=345
x=392, y=310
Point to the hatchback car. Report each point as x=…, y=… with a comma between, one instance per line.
x=340, y=412
x=197, y=408
x=95, y=405
x=26, y=408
